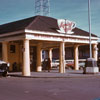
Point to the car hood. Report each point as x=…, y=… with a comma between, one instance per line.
x=1, y=62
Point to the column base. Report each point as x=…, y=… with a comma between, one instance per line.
x=76, y=68
x=62, y=71
x=26, y=74
x=92, y=70
x=39, y=69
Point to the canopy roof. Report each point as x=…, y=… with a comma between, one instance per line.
x=38, y=23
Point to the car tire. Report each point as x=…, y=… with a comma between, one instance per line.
x=4, y=74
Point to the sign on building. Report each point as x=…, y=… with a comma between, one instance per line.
x=65, y=26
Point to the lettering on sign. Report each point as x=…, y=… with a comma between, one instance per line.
x=66, y=26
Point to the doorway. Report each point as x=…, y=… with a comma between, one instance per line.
x=33, y=58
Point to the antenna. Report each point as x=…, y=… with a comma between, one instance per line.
x=42, y=7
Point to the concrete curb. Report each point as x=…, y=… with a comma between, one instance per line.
x=65, y=76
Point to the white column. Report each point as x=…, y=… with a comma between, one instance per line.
x=39, y=56
x=4, y=52
x=95, y=52
x=26, y=58
x=76, y=62
x=50, y=54
x=62, y=58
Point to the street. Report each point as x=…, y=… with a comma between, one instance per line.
x=19, y=88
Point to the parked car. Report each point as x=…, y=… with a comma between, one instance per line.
x=55, y=64
x=70, y=64
x=81, y=65
x=4, y=68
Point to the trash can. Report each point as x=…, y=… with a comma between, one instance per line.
x=91, y=66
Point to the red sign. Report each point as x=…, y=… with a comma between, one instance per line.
x=66, y=26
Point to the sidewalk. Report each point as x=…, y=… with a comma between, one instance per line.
x=55, y=74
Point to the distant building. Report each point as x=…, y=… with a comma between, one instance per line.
x=69, y=53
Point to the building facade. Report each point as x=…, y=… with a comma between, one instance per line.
x=23, y=41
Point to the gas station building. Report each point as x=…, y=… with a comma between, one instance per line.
x=23, y=42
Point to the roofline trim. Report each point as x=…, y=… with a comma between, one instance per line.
x=12, y=33
x=57, y=34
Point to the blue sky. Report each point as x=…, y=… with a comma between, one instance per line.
x=74, y=10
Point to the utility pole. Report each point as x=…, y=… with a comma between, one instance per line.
x=91, y=63
x=89, y=21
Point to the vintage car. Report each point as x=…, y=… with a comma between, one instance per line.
x=70, y=64
x=55, y=64
x=3, y=68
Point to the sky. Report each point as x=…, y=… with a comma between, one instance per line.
x=73, y=10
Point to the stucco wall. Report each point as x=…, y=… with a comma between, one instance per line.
x=15, y=56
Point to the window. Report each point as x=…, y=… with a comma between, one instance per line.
x=12, y=49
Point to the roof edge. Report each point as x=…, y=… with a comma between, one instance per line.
x=57, y=34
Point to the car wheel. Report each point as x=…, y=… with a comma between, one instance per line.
x=4, y=74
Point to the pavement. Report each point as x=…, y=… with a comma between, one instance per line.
x=54, y=73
